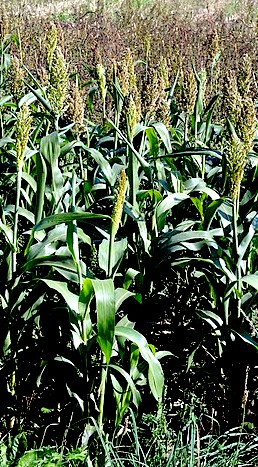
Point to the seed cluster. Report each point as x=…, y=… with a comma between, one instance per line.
x=23, y=126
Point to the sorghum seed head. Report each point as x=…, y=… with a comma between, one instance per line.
x=245, y=76
x=118, y=203
x=58, y=82
x=231, y=98
x=76, y=108
x=51, y=44
x=186, y=97
x=247, y=122
x=15, y=78
x=101, y=79
x=236, y=162
x=4, y=24
x=23, y=126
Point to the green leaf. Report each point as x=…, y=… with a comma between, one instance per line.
x=155, y=372
x=210, y=212
x=104, y=165
x=163, y=133
x=121, y=295
x=67, y=217
x=135, y=393
x=105, y=305
x=130, y=276
x=212, y=318
x=251, y=279
x=163, y=208
x=245, y=243
x=61, y=287
x=85, y=297
x=41, y=186
x=119, y=248
x=246, y=338
x=153, y=142
x=28, y=459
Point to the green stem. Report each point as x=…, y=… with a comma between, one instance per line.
x=203, y=165
x=110, y=250
x=238, y=269
x=102, y=392
x=16, y=217
x=186, y=130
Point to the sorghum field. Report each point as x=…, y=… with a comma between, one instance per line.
x=128, y=233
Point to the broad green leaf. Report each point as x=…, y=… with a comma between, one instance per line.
x=41, y=176
x=135, y=393
x=105, y=305
x=251, y=279
x=76, y=397
x=141, y=224
x=153, y=142
x=28, y=459
x=39, y=96
x=121, y=295
x=212, y=318
x=163, y=208
x=246, y=337
x=7, y=231
x=155, y=372
x=57, y=234
x=118, y=251
x=103, y=164
x=191, y=358
x=66, y=217
x=22, y=212
x=245, y=243
x=61, y=287
x=210, y=212
x=130, y=276
x=30, y=180
x=163, y=133
x=85, y=297
x=174, y=238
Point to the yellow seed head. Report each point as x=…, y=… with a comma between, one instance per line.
x=188, y=91
x=101, y=79
x=245, y=76
x=215, y=45
x=76, y=108
x=231, y=98
x=126, y=75
x=23, y=126
x=244, y=398
x=4, y=24
x=236, y=162
x=131, y=114
x=51, y=44
x=58, y=82
x=131, y=110
x=43, y=76
x=247, y=122
x=147, y=45
x=118, y=203
x=150, y=93
x=15, y=79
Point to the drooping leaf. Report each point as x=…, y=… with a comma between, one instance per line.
x=105, y=305
x=62, y=288
x=155, y=372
